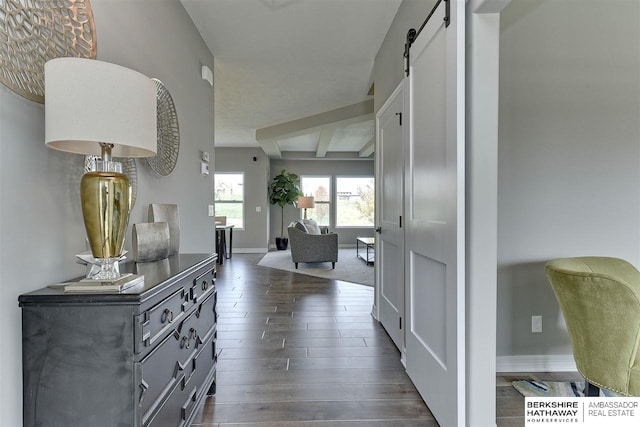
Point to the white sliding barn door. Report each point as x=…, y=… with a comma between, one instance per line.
x=390, y=238
x=434, y=209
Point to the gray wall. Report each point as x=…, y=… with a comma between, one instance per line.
x=165, y=45
x=569, y=182
x=41, y=228
x=255, y=235
x=388, y=69
x=346, y=236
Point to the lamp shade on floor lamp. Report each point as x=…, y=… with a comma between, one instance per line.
x=306, y=202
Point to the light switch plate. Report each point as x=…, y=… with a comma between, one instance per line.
x=536, y=324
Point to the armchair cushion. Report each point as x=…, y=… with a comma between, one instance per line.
x=299, y=225
x=312, y=226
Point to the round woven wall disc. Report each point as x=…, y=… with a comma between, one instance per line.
x=168, y=133
x=35, y=31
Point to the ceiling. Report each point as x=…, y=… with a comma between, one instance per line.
x=294, y=76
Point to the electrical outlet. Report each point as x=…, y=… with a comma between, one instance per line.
x=536, y=324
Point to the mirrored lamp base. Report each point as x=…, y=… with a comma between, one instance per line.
x=106, y=203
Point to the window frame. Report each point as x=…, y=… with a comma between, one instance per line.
x=329, y=203
x=336, y=215
x=230, y=202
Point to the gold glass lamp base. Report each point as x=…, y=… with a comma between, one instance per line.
x=106, y=203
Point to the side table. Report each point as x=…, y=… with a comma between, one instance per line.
x=369, y=249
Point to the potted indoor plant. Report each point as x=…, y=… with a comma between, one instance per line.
x=284, y=190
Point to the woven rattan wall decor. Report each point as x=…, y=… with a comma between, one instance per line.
x=35, y=31
x=168, y=133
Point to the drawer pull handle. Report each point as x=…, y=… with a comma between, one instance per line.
x=186, y=342
x=205, y=285
x=193, y=333
x=167, y=316
x=185, y=410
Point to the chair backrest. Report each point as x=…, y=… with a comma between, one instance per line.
x=222, y=220
x=600, y=300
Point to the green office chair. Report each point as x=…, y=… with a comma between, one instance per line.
x=600, y=301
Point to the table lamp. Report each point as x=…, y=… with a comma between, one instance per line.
x=306, y=203
x=94, y=107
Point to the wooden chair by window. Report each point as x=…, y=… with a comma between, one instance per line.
x=221, y=239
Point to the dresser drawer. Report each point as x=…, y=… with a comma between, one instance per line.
x=199, y=324
x=177, y=404
x=202, y=361
x=205, y=316
x=159, y=373
x=169, y=410
x=159, y=319
x=203, y=367
x=202, y=286
x=174, y=358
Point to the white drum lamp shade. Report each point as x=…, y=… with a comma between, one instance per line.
x=89, y=102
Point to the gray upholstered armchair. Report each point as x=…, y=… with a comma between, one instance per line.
x=309, y=245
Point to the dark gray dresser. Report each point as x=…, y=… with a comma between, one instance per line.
x=145, y=357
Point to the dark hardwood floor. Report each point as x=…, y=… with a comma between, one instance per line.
x=296, y=350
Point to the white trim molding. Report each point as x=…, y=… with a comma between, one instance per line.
x=536, y=363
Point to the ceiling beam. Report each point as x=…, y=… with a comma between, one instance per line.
x=368, y=149
x=271, y=148
x=331, y=155
x=326, y=135
x=341, y=116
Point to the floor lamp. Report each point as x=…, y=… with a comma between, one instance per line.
x=306, y=203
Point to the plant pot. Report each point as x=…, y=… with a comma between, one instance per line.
x=282, y=243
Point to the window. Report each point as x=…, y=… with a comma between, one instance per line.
x=320, y=188
x=229, y=198
x=355, y=201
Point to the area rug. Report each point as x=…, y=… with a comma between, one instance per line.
x=555, y=389
x=348, y=268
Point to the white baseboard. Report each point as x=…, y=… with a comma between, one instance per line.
x=536, y=363
x=250, y=250
x=374, y=312
x=340, y=246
